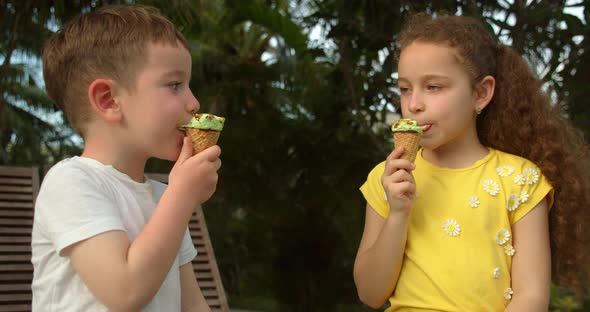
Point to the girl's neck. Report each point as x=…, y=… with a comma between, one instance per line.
x=455, y=156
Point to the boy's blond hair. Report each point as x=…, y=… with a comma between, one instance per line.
x=111, y=43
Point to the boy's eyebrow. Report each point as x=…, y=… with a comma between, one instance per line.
x=176, y=73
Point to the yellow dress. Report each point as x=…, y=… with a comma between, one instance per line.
x=459, y=245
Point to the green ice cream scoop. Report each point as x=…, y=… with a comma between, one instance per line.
x=205, y=122
x=406, y=125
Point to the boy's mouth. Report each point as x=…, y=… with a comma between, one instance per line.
x=425, y=127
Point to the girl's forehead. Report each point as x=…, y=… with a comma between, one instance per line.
x=419, y=57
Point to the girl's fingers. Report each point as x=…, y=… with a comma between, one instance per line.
x=402, y=190
x=394, y=165
x=396, y=153
x=401, y=176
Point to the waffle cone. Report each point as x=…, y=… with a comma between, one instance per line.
x=410, y=140
x=202, y=139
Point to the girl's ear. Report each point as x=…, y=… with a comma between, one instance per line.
x=101, y=95
x=484, y=92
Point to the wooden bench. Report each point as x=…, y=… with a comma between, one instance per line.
x=18, y=189
x=204, y=265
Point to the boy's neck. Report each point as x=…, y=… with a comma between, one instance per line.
x=122, y=160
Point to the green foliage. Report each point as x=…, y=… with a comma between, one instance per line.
x=305, y=122
x=564, y=301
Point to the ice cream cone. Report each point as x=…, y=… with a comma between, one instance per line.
x=407, y=133
x=203, y=130
x=410, y=141
x=202, y=139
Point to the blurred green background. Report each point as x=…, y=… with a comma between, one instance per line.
x=308, y=89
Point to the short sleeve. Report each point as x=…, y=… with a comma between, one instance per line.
x=73, y=206
x=373, y=191
x=187, y=250
x=531, y=188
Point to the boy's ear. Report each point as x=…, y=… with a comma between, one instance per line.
x=101, y=95
x=484, y=92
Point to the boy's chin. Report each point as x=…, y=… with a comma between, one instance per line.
x=170, y=156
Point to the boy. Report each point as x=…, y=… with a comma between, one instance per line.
x=105, y=237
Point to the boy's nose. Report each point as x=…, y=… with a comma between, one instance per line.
x=193, y=104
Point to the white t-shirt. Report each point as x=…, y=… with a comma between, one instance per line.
x=80, y=198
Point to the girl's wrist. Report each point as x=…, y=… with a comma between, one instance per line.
x=399, y=218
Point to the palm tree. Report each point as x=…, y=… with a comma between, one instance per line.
x=31, y=129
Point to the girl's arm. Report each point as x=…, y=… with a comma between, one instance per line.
x=531, y=264
x=379, y=258
x=192, y=299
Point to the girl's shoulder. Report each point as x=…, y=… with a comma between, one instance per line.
x=511, y=159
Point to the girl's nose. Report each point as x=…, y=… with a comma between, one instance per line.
x=416, y=103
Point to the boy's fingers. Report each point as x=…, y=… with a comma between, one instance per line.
x=187, y=150
x=211, y=153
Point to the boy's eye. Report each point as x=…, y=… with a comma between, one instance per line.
x=403, y=89
x=175, y=86
x=433, y=88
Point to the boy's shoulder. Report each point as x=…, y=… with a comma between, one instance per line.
x=70, y=167
x=74, y=173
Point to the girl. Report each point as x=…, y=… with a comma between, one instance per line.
x=467, y=226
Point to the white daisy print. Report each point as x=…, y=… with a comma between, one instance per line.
x=451, y=227
x=505, y=171
x=531, y=175
x=513, y=202
x=519, y=179
x=509, y=250
x=496, y=273
x=524, y=196
x=508, y=293
x=502, y=237
x=473, y=201
x=491, y=187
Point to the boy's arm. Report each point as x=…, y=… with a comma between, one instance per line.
x=124, y=274
x=531, y=264
x=191, y=297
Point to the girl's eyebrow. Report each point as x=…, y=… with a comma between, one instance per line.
x=428, y=77
x=425, y=78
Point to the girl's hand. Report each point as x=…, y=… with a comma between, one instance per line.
x=399, y=184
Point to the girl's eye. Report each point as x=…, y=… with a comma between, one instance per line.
x=433, y=88
x=404, y=90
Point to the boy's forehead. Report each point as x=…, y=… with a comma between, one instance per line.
x=167, y=57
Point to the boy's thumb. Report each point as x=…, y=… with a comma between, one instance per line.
x=187, y=150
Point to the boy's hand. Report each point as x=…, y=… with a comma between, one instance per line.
x=398, y=182
x=195, y=176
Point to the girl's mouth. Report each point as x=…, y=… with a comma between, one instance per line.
x=426, y=127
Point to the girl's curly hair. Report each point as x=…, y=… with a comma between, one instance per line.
x=521, y=120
